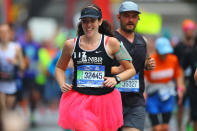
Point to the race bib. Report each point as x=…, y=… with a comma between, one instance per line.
x=131, y=85
x=90, y=76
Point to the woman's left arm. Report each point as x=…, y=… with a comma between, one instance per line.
x=117, y=50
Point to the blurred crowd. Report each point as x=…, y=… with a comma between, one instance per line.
x=175, y=60
x=27, y=71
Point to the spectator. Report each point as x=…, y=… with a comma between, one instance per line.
x=160, y=86
x=181, y=49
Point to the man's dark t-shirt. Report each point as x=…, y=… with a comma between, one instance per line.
x=190, y=59
x=138, y=52
x=181, y=50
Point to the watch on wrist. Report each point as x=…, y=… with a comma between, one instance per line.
x=117, y=79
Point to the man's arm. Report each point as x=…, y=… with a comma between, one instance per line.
x=150, y=63
x=180, y=88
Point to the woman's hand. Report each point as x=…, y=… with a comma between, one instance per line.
x=66, y=87
x=109, y=82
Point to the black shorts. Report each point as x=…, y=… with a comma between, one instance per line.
x=134, y=117
x=164, y=118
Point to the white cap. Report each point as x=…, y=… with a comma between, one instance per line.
x=163, y=46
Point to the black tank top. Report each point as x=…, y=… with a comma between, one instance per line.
x=138, y=52
x=89, y=69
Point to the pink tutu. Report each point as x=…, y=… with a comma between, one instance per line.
x=90, y=112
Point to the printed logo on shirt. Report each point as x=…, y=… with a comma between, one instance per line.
x=155, y=75
x=84, y=59
x=98, y=52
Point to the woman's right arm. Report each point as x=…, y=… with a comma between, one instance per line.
x=62, y=65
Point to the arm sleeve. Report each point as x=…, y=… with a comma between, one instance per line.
x=122, y=54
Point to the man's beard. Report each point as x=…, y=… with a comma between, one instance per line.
x=123, y=27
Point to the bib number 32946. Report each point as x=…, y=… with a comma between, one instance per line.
x=131, y=85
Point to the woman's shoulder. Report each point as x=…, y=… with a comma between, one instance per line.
x=113, y=45
x=69, y=43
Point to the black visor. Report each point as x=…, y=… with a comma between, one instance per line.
x=89, y=12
